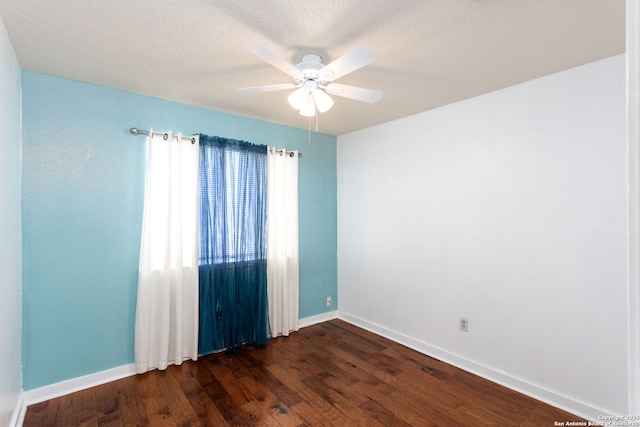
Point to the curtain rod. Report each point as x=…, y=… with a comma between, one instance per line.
x=137, y=131
x=283, y=152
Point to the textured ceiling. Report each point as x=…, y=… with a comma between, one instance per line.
x=429, y=52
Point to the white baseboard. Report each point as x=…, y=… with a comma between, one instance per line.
x=18, y=413
x=63, y=388
x=318, y=318
x=565, y=403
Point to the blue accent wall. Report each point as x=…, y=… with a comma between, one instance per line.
x=82, y=199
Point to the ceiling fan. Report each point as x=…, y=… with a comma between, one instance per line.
x=313, y=80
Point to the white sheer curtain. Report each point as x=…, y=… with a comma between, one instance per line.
x=282, y=241
x=166, y=329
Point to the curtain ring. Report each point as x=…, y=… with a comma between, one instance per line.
x=291, y=154
x=166, y=136
x=193, y=140
x=281, y=153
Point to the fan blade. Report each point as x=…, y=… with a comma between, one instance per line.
x=353, y=92
x=267, y=88
x=356, y=58
x=273, y=59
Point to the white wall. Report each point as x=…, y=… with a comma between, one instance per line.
x=633, y=113
x=508, y=209
x=10, y=233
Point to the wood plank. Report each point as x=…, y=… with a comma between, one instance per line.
x=381, y=394
x=37, y=413
x=363, y=340
x=326, y=367
x=546, y=415
x=285, y=395
x=285, y=416
x=188, y=376
x=107, y=406
x=170, y=389
x=343, y=388
x=55, y=412
x=132, y=410
x=231, y=384
x=258, y=415
x=232, y=413
x=351, y=364
x=158, y=412
x=330, y=414
x=312, y=417
x=426, y=363
x=205, y=410
x=184, y=416
x=355, y=415
x=433, y=411
x=84, y=409
x=381, y=415
x=490, y=413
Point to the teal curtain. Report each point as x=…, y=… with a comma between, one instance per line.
x=232, y=263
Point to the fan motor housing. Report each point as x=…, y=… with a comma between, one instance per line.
x=310, y=60
x=310, y=65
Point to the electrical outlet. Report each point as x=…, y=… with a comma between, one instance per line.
x=464, y=325
x=329, y=302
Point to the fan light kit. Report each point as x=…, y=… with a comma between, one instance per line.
x=313, y=79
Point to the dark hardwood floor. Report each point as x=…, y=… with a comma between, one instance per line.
x=332, y=374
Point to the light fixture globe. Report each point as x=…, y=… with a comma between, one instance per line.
x=297, y=98
x=309, y=107
x=323, y=101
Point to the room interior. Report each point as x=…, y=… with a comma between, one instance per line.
x=495, y=181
